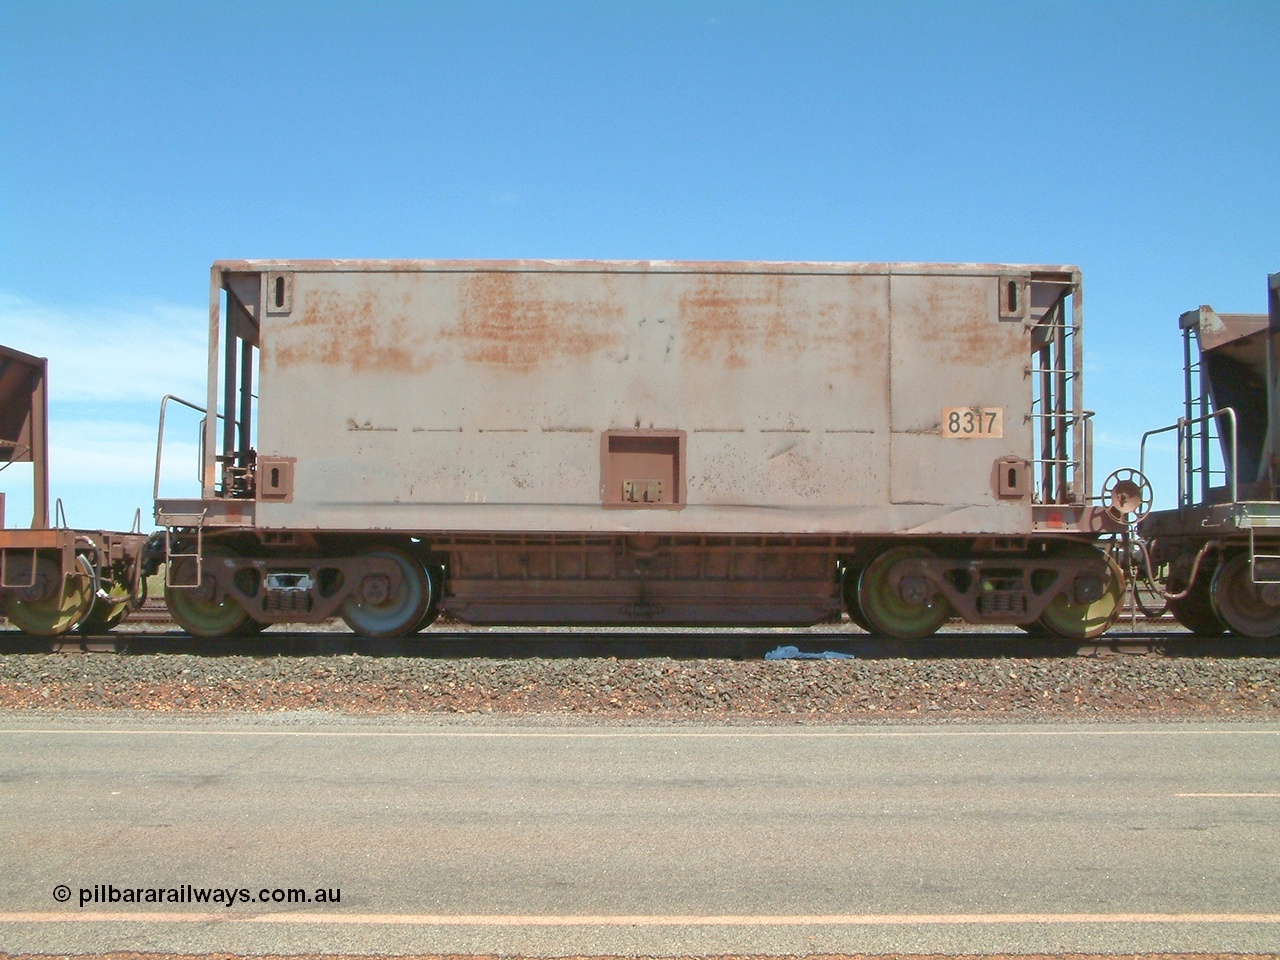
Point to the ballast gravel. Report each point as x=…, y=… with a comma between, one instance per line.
x=1145, y=686
x=824, y=956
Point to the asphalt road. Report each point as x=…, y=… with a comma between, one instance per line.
x=500, y=838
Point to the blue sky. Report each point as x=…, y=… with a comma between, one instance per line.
x=140, y=141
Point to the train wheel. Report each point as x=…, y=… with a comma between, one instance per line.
x=53, y=605
x=198, y=610
x=107, y=614
x=1147, y=595
x=849, y=588
x=1195, y=610
x=889, y=612
x=435, y=581
x=1244, y=606
x=1085, y=619
x=380, y=613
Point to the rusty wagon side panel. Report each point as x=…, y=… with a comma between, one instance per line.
x=473, y=399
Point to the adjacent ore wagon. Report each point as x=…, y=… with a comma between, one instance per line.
x=55, y=579
x=1219, y=548
x=634, y=443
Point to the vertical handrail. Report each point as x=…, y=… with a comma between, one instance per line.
x=164, y=406
x=1206, y=481
x=1186, y=492
x=1060, y=406
x=1186, y=474
x=1081, y=438
x=1061, y=441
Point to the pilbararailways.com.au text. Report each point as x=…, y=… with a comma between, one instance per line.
x=107, y=893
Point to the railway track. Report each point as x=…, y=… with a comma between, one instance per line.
x=151, y=630
x=154, y=634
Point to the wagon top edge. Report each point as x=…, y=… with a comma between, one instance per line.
x=26, y=359
x=1216, y=330
x=1059, y=272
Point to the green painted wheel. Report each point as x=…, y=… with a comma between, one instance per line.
x=1073, y=619
x=107, y=614
x=199, y=610
x=380, y=613
x=53, y=605
x=885, y=608
x=1241, y=604
x=849, y=590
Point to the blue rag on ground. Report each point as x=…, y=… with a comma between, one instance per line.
x=793, y=653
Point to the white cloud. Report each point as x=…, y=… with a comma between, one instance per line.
x=103, y=470
x=121, y=451
x=111, y=355
x=108, y=369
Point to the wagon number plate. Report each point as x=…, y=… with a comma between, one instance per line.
x=968, y=423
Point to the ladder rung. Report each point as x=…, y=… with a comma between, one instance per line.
x=192, y=519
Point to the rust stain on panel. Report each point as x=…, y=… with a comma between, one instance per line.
x=962, y=328
x=738, y=322
x=359, y=332
x=514, y=320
